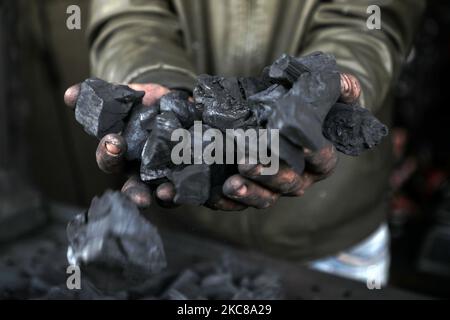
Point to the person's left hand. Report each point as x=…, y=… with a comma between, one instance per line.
x=251, y=189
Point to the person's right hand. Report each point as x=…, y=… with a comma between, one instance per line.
x=110, y=154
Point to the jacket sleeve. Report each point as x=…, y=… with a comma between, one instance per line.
x=374, y=56
x=138, y=41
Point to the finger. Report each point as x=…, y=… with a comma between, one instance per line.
x=165, y=194
x=225, y=204
x=110, y=153
x=306, y=180
x=350, y=88
x=218, y=201
x=248, y=192
x=321, y=163
x=286, y=181
x=153, y=92
x=138, y=192
x=71, y=95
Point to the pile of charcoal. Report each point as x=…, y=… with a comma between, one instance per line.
x=226, y=279
x=112, y=240
x=113, y=235
x=121, y=259
x=297, y=96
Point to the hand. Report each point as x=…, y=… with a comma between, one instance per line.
x=251, y=189
x=110, y=154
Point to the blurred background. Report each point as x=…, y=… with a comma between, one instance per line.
x=49, y=159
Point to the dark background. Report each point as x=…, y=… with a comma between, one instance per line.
x=40, y=141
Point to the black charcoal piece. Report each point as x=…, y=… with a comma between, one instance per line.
x=173, y=294
x=298, y=124
x=223, y=101
x=158, y=147
x=269, y=95
x=147, y=116
x=250, y=86
x=148, y=175
x=198, y=143
x=230, y=278
x=192, y=184
x=219, y=286
x=178, y=103
x=102, y=107
x=263, y=102
x=353, y=129
x=299, y=115
x=292, y=155
x=286, y=70
x=114, y=242
x=134, y=133
x=318, y=61
x=185, y=286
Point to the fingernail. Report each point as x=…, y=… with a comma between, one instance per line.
x=140, y=196
x=112, y=149
x=350, y=88
x=165, y=193
x=241, y=191
x=71, y=95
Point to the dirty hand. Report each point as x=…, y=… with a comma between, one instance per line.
x=251, y=189
x=110, y=154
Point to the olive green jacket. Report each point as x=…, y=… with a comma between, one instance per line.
x=170, y=42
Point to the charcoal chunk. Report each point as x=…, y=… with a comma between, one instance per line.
x=224, y=103
x=178, y=103
x=184, y=287
x=198, y=142
x=134, y=133
x=158, y=147
x=192, y=184
x=113, y=240
x=292, y=155
x=269, y=95
x=353, y=129
x=149, y=175
x=219, y=286
x=263, y=102
x=318, y=61
x=227, y=278
x=299, y=115
x=297, y=124
x=250, y=86
x=147, y=116
x=102, y=107
x=286, y=70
